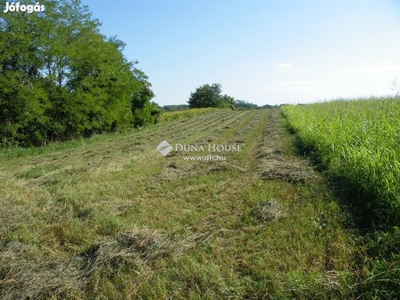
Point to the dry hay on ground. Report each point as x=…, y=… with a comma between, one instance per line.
x=268, y=211
x=25, y=275
x=290, y=171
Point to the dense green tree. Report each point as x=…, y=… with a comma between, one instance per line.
x=61, y=78
x=22, y=95
x=206, y=96
x=210, y=96
x=227, y=102
x=176, y=107
x=144, y=111
x=241, y=104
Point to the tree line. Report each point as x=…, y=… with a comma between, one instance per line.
x=60, y=78
x=211, y=96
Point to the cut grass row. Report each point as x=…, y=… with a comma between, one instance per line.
x=116, y=220
x=183, y=114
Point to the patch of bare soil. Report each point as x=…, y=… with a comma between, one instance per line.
x=274, y=163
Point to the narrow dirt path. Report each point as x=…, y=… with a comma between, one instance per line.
x=275, y=160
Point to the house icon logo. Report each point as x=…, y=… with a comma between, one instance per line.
x=164, y=148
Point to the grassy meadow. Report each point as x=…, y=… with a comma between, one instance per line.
x=189, y=113
x=111, y=218
x=357, y=145
x=358, y=141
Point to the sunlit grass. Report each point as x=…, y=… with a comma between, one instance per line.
x=357, y=143
x=114, y=219
x=177, y=115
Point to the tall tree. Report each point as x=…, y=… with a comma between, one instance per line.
x=227, y=102
x=206, y=96
x=210, y=96
x=60, y=78
x=22, y=95
x=144, y=111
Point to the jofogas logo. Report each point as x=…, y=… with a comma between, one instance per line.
x=17, y=7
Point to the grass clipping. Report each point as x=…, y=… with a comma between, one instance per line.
x=34, y=278
x=268, y=211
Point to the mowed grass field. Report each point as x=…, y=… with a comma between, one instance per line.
x=111, y=218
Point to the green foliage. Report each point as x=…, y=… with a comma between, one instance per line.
x=144, y=111
x=176, y=107
x=60, y=78
x=205, y=96
x=268, y=106
x=227, y=102
x=210, y=96
x=241, y=104
x=149, y=114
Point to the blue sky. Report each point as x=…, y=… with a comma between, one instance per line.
x=261, y=51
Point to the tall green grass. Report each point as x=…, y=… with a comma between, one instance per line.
x=358, y=141
x=358, y=144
